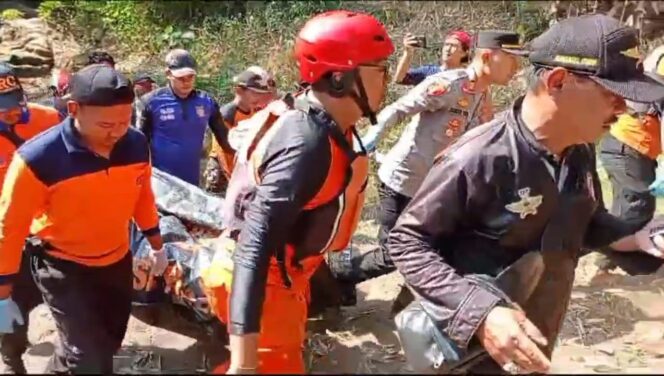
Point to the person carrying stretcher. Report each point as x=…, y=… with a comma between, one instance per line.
x=297, y=189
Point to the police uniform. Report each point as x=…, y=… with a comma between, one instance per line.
x=78, y=205
x=175, y=126
x=497, y=194
x=442, y=107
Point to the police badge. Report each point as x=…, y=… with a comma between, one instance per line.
x=200, y=111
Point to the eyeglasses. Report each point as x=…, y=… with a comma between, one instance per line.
x=383, y=68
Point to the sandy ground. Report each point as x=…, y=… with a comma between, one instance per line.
x=615, y=325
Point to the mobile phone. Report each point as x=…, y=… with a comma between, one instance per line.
x=421, y=41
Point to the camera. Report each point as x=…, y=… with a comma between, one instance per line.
x=421, y=41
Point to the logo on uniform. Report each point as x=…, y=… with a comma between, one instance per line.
x=166, y=114
x=8, y=84
x=453, y=127
x=463, y=102
x=438, y=88
x=140, y=180
x=200, y=111
x=527, y=205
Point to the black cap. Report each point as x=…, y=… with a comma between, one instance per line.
x=507, y=41
x=101, y=85
x=257, y=79
x=180, y=63
x=11, y=92
x=600, y=47
x=142, y=77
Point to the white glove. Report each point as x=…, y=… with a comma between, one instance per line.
x=158, y=261
x=650, y=238
x=379, y=157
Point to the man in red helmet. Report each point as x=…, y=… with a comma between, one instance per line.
x=297, y=190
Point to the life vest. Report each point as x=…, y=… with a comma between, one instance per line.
x=346, y=182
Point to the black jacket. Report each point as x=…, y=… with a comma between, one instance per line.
x=493, y=196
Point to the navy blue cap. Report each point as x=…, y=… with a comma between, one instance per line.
x=601, y=48
x=11, y=92
x=101, y=85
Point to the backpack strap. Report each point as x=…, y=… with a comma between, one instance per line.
x=9, y=133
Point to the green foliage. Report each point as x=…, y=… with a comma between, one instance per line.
x=532, y=20
x=227, y=36
x=11, y=14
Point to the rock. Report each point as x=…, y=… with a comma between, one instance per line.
x=32, y=71
x=655, y=348
x=649, y=303
x=648, y=331
x=28, y=58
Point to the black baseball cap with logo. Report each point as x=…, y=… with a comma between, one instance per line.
x=180, y=63
x=602, y=49
x=101, y=85
x=507, y=41
x=11, y=92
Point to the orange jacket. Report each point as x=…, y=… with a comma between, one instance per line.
x=232, y=115
x=77, y=202
x=41, y=118
x=639, y=132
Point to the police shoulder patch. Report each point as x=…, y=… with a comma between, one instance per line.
x=438, y=88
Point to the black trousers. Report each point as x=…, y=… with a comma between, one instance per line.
x=27, y=297
x=630, y=174
x=376, y=262
x=91, y=308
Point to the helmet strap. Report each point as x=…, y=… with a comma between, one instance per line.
x=362, y=100
x=340, y=84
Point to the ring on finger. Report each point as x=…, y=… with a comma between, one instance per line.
x=511, y=368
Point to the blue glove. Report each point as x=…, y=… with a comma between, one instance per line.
x=369, y=144
x=657, y=187
x=9, y=314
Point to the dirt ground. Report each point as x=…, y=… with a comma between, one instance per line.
x=614, y=325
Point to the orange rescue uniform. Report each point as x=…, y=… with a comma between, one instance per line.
x=232, y=115
x=335, y=176
x=75, y=201
x=40, y=119
x=642, y=133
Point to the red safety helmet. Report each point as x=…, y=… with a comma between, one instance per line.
x=338, y=41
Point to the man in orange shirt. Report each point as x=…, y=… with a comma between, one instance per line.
x=629, y=155
x=19, y=121
x=76, y=187
x=254, y=88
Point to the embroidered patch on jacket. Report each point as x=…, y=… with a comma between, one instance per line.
x=527, y=205
x=438, y=88
x=463, y=102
